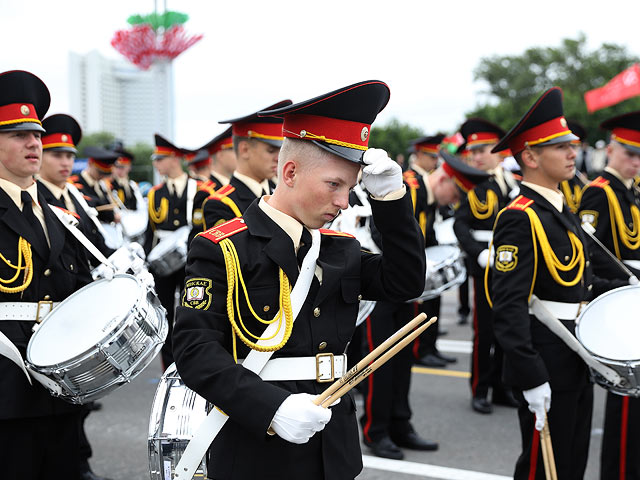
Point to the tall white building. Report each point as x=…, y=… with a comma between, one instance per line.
x=117, y=97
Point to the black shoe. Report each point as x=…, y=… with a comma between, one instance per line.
x=89, y=475
x=430, y=360
x=463, y=319
x=446, y=358
x=414, y=441
x=385, y=448
x=481, y=405
x=504, y=398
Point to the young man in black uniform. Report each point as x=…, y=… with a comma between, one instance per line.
x=386, y=419
x=572, y=188
x=541, y=250
x=170, y=208
x=474, y=221
x=614, y=191
x=326, y=142
x=126, y=189
x=425, y=161
x=41, y=263
x=256, y=142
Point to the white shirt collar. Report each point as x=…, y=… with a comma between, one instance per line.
x=627, y=183
x=554, y=197
x=290, y=225
x=256, y=187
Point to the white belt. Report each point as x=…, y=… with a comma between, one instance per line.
x=27, y=311
x=561, y=310
x=482, y=235
x=632, y=263
x=324, y=367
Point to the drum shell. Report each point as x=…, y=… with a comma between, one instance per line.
x=118, y=358
x=176, y=413
x=170, y=254
x=627, y=368
x=445, y=269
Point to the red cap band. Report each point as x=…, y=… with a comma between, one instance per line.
x=103, y=167
x=57, y=140
x=267, y=131
x=343, y=133
x=482, y=138
x=166, y=151
x=223, y=144
x=544, y=132
x=18, y=113
x=457, y=177
x=626, y=136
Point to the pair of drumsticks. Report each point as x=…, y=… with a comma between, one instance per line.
x=369, y=364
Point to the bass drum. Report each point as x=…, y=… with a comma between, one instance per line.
x=610, y=330
x=176, y=413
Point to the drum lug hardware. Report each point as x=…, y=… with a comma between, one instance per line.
x=112, y=361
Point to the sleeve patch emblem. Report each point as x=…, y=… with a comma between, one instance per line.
x=506, y=258
x=589, y=216
x=197, y=293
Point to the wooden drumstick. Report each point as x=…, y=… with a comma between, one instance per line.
x=399, y=334
x=547, y=452
x=368, y=370
x=109, y=206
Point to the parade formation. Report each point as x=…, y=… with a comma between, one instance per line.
x=270, y=261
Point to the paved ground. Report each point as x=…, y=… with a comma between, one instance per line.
x=472, y=446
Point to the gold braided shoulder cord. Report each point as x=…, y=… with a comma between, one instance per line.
x=630, y=238
x=483, y=210
x=573, y=198
x=160, y=215
x=234, y=280
x=24, y=252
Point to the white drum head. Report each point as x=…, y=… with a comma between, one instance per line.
x=440, y=253
x=610, y=325
x=83, y=320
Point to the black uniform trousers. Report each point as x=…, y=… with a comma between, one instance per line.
x=386, y=391
x=570, y=429
x=425, y=344
x=620, y=448
x=486, y=357
x=166, y=291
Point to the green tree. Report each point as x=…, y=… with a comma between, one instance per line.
x=142, y=168
x=394, y=137
x=98, y=139
x=514, y=82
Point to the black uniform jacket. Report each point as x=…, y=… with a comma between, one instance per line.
x=126, y=196
x=572, y=191
x=176, y=214
x=424, y=212
x=533, y=354
x=467, y=219
x=205, y=189
x=202, y=337
x=594, y=208
x=87, y=226
x=58, y=272
x=92, y=197
x=215, y=211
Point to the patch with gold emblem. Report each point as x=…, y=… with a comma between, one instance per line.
x=589, y=216
x=197, y=293
x=506, y=258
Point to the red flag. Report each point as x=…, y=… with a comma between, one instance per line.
x=624, y=85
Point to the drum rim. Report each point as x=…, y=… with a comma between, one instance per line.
x=616, y=361
x=117, y=328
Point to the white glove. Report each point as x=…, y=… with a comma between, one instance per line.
x=633, y=280
x=381, y=175
x=298, y=418
x=539, y=400
x=484, y=257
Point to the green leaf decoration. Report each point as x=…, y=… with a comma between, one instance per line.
x=164, y=20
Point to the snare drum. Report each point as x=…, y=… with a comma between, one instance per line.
x=445, y=269
x=134, y=224
x=170, y=254
x=176, y=413
x=610, y=330
x=97, y=339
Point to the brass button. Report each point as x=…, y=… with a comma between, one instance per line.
x=47, y=297
x=359, y=297
x=266, y=308
x=176, y=211
x=322, y=345
x=364, y=134
x=316, y=312
x=566, y=258
x=588, y=263
x=71, y=267
x=589, y=287
x=47, y=272
x=176, y=222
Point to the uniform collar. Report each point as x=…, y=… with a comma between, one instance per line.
x=554, y=197
x=431, y=198
x=54, y=189
x=14, y=191
x=290, y=225
x=88, y=178
x=627, y=183
x=419, y=170
x=256, y=187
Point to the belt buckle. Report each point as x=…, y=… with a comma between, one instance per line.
x=40, y=303
x=320, y=378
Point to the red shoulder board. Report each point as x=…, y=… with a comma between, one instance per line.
x=156, y=187
x=516, y=176
x=599, y=182
x=325, y=231
x=73, y=179
x=86, y=197
x=223, y=192
x=208, y=185
x=410, y=178
x=68, y=212
x=224, y=230
x=520, y=203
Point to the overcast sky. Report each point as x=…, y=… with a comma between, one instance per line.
x=257, y=52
